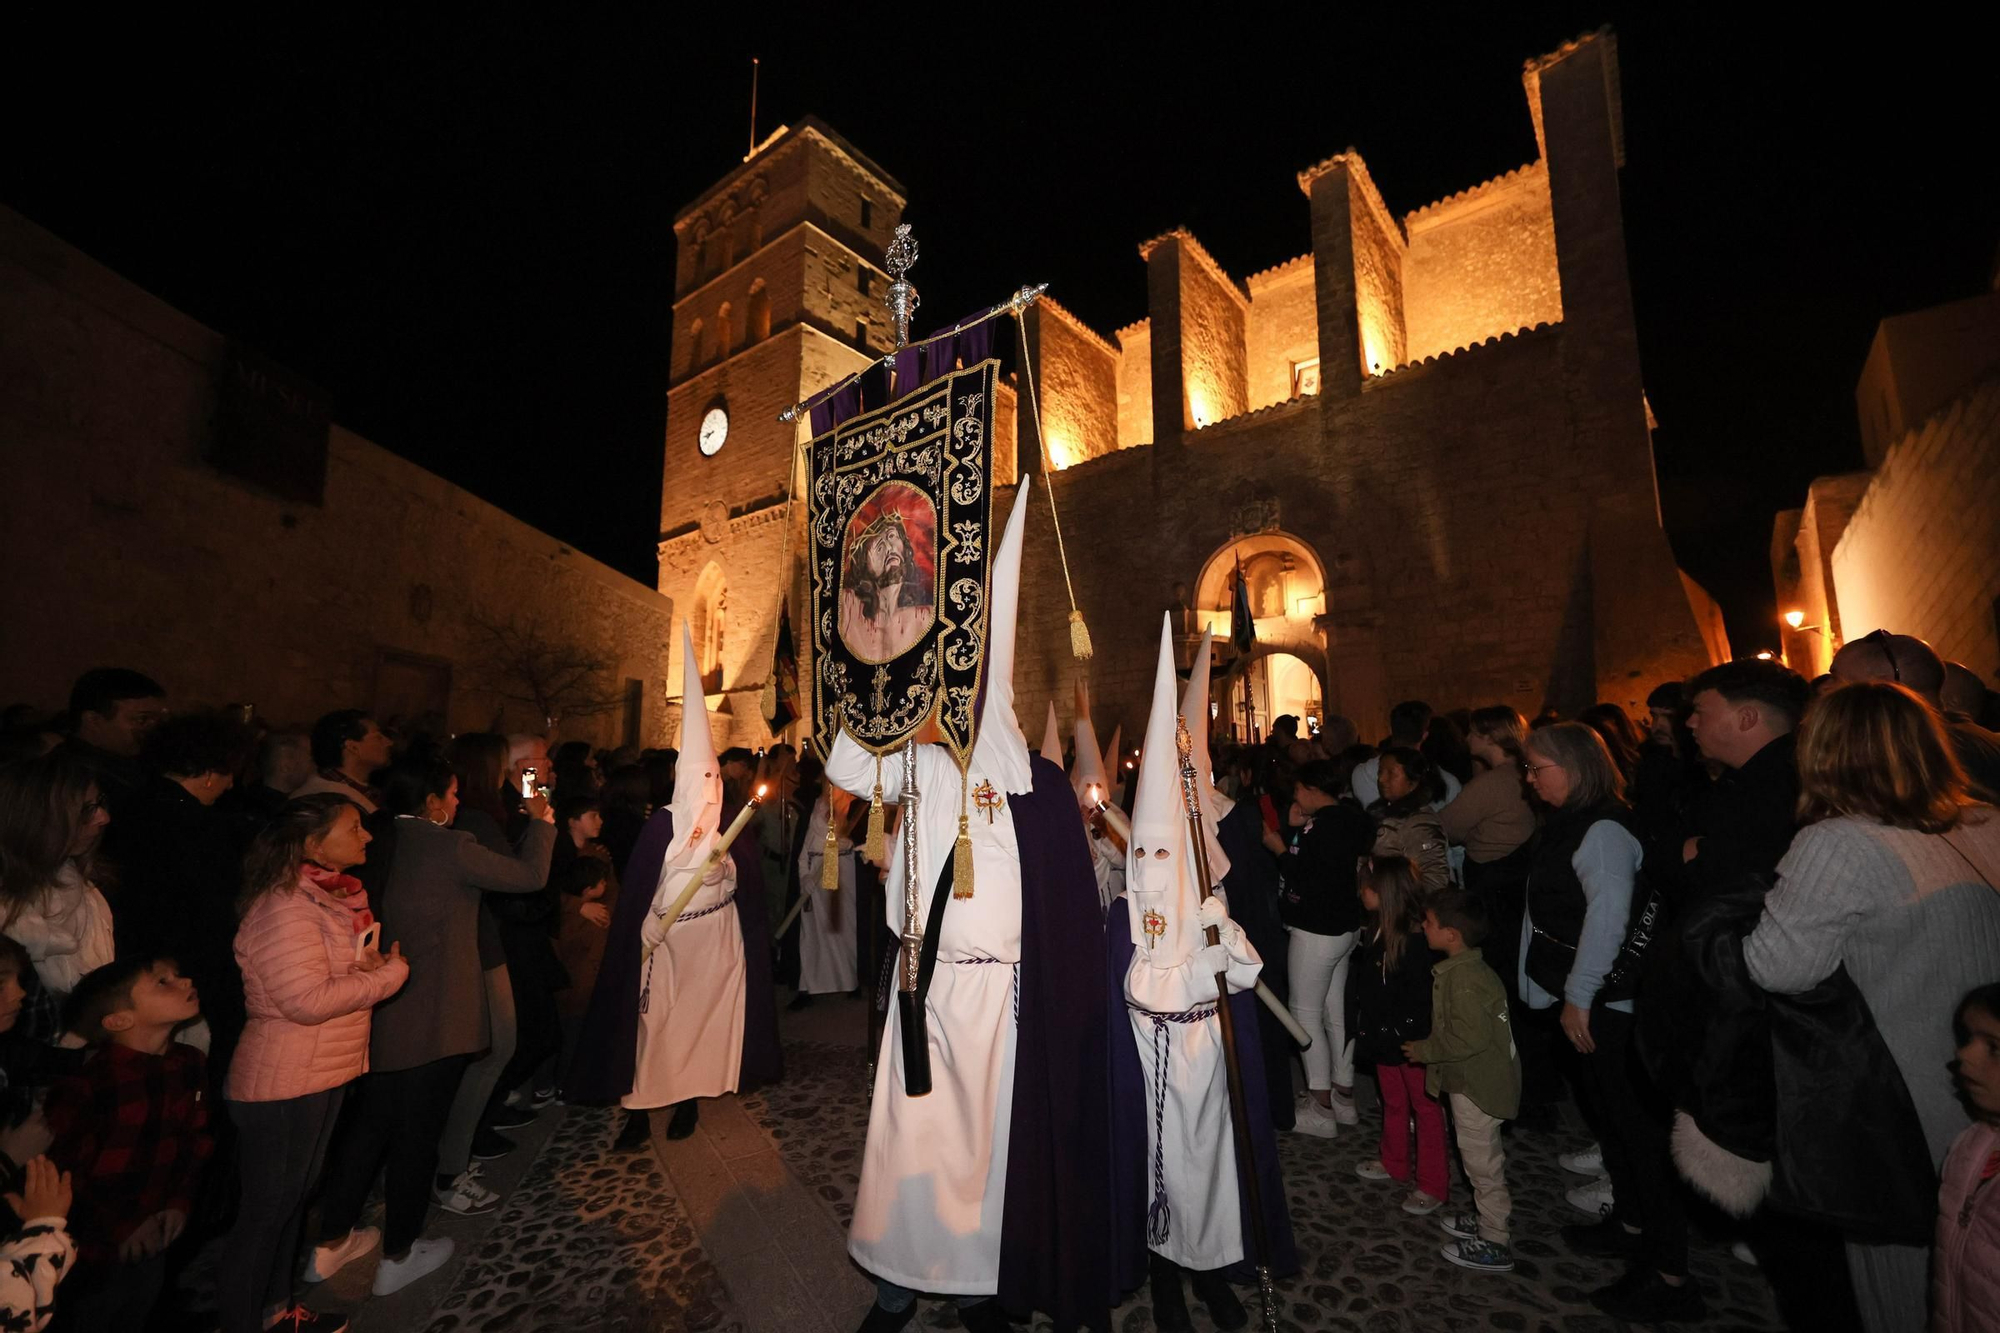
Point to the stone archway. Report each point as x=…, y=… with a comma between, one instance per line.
x=1286, y=581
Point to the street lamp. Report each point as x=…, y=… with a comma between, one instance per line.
x=1795, y=618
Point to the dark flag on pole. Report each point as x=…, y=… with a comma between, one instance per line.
x=781, y=700
x=1242, y=625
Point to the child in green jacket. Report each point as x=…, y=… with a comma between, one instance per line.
x=1470, y=1056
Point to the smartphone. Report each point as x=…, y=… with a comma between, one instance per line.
x=370, y=937
x=528, y=776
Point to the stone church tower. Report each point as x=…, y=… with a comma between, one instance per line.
x=773, y=300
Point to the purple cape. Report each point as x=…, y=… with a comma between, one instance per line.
x=1131, y=1107
x=1054, y=1232
x=608, y=1043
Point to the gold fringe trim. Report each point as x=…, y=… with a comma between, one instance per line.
x=1079, y=637
x=829, y=866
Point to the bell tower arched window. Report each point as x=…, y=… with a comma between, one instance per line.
x=760, y=311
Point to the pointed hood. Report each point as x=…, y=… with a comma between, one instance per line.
x=1114, y=764
x=1160, y=875
x=1194, y=713
x=697, y=803
x=1052, y=738
x=1001, y=752
x=1088, y=766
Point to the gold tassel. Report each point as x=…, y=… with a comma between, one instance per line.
x=961, y=862
x=874, y=850
x=769, y=705
x=1079, y=637
x=961, y=850
x=829, y=866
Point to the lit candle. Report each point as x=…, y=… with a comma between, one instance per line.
x=1113, y=816
x=710, y=862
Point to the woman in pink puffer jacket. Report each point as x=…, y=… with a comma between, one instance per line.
x=311, y=979
x=1965, y=1277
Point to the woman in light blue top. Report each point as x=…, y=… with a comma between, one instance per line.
x=1581, y=886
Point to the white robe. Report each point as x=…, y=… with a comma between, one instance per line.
x=691, y=1034
x=826, y=925
x=934, y=1172
x=1199, y=1161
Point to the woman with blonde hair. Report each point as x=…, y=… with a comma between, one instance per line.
x=1894, y=876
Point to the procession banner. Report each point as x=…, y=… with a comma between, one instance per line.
x=899, y=506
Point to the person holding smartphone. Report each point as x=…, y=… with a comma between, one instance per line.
x=313, y=972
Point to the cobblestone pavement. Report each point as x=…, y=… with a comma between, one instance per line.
x=1365, y=1264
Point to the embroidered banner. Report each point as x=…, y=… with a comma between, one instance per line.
x=897, y=511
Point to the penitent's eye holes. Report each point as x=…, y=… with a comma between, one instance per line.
x=1159, y=854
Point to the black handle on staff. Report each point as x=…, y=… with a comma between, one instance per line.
x=1239, y=1114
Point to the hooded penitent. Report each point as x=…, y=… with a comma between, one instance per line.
x=1052, y=738
x=1087, y=768
x=697, y=803
x=1170, y=1079
x=691, y=1011
x=995, y=1181
x=1160, y=871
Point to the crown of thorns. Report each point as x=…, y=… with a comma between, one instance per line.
x=887, y=516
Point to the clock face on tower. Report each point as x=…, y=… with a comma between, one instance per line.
x=714, y=429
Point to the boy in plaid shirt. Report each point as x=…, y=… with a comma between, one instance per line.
x=132, y=1126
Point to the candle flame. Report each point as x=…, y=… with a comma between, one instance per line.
x=760, y=791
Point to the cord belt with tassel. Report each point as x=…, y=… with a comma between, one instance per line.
x=1160, y=1216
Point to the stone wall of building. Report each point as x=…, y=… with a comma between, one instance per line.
x=1830, y=503
x=1077, y=378
x=1135, y=384
x=1213, y=312
x=131, y=549
x=1481, y=262
x=1378, y=274
x=1283, y=331
x=1921, y=554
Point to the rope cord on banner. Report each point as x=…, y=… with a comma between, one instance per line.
x=1079, y=633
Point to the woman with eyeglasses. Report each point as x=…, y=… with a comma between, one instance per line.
x=1581, y=884
x=1895, y=877
x=51, y=817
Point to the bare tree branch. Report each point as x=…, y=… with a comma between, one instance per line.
x=522, y=664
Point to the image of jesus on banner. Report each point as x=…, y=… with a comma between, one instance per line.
x=888, y=567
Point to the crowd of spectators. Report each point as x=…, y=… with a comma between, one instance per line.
x=1754, y=937
x=253, y=977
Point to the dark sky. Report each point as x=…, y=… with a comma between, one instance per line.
x=462, y=226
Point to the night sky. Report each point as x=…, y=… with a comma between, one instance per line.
x=461, y=227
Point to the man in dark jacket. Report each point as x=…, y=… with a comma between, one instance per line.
x=1744, y=716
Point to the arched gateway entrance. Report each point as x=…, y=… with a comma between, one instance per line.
x=1285, y=671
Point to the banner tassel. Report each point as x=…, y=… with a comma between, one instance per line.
x=768, y=705
x=961, y=850
x=876, y=820
x=829, y=866
x=1079, y=637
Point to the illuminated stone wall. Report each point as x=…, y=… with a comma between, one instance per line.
x=1077, y=378
x=130, y=550
x=1135, y=384
x=1921, y=554
x=1213, y=357
x=1480, y=263
x=1283, y=329
x=1378, y=274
